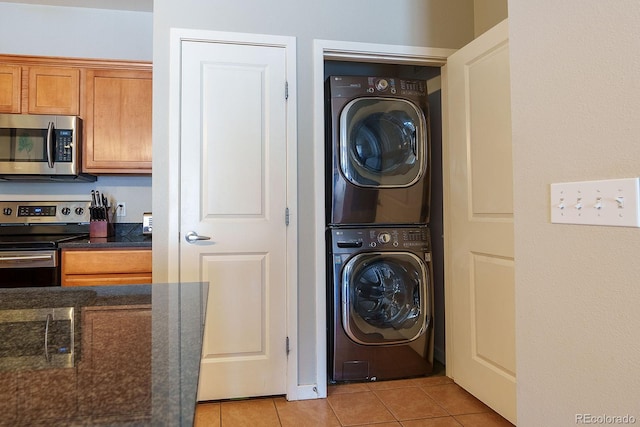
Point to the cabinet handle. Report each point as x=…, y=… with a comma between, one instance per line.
x=46, y=338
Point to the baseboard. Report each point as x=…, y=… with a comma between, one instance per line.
x=306, y=392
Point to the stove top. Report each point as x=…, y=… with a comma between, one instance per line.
x=44, y=212
x=42, y=224
x=38, y=241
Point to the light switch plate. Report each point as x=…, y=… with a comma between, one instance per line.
x=611, y=202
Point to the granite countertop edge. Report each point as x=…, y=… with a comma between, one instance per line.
x=126, y=235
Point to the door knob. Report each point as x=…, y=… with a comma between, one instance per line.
x=192, y=237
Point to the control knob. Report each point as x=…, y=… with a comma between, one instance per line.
x=66, y=211
x=79, y=211
x=384, y=237
x=382, y=85
x=7, y=211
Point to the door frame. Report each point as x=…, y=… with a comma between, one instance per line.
x=177, y=36
x=355, y=52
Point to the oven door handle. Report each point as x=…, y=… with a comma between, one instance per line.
x=46, y=338
x=48, y=257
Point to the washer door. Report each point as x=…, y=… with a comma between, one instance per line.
x=385, y=298
x=382, y=142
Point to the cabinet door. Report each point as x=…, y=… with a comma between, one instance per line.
x=92, y=267
x=10, y=85
x=54, y=90
x=118, y=121
x=115, y=368
x=9, y=397
x=47, y=397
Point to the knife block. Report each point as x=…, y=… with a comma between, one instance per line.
x=100, y=228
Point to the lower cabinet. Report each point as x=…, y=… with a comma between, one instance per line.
x=114, y=372
x=89, y=267
x=31, y=397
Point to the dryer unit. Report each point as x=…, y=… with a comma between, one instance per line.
x=380, y=304
x=377, y=151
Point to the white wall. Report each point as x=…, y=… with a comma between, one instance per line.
x=575, y=76
x=85, y=33
x=430, y=23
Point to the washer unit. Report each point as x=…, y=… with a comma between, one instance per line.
x=380, y=303
x=378, y=151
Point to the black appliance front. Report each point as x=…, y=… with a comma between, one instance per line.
x=377, y=151
x=380, y=303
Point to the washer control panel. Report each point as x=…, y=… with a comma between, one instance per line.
x=407, y=238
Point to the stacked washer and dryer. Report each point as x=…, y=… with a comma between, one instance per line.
x=380, y=290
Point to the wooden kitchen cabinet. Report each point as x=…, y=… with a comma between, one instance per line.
x=10, y=88
x=29, y=89
x=54, y=90
x=90, y=267
x=9, y=397
x=117, y=125
x=114, y=373
x=112, y=97
x=28, y=397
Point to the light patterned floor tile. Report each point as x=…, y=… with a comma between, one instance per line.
x=455, y=399
x=410, y=403
x=249, y=413
x=306, y=413
x=359, y=408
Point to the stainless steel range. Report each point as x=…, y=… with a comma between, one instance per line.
x=30, y=232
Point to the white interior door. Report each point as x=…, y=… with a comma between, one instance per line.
x=233, y=190
x=479, y=221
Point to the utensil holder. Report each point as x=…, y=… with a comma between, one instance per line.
x=100, y=228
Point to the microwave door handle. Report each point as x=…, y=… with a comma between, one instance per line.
x=50, y=145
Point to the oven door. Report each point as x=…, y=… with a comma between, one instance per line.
x=21, y=269
x=40, y=338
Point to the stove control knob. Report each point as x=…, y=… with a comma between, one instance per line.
x=79, y=211
x=7, y=211
x=66, y=211
x=382, y=85
x=384, y=237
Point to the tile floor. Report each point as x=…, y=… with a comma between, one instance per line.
x=420, y=402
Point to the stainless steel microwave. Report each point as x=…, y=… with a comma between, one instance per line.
x=41, y=148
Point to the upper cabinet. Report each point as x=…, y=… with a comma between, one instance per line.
x=10, y=84
x=117, y=125
x=54, y=90
x=113, y=99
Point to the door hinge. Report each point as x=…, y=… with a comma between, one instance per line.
x=286, y=216
x=286, y=90
x=288, y=349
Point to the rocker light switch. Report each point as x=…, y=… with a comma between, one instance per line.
x=608, y=202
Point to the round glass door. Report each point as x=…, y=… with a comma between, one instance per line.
x=385, y=298
x=383, y=142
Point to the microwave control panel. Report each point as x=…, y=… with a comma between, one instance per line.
x=64, y=144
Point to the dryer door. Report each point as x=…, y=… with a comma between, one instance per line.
x=385, y=298
x=383, y=142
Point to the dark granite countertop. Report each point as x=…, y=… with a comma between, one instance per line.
x=135, y=359
x=127, y=235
